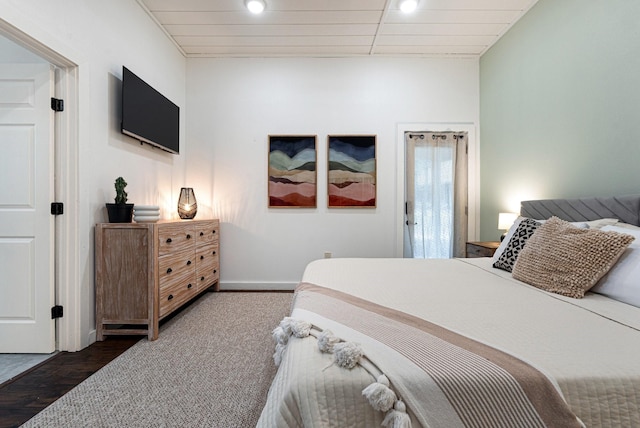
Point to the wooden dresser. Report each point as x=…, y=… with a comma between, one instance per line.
x=145, y=271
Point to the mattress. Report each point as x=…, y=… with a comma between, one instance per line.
x=587, y=347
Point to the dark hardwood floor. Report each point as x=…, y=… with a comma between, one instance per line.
x=30, y=392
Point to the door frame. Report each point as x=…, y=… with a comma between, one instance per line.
x=66, y=137
x=473, y=187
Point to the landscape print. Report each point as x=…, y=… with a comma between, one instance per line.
x=292, y=171
x=352, y=171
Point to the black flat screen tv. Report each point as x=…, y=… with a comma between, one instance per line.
x=149, y=116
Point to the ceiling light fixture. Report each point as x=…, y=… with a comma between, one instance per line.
x=408, y=6
x=255, y=6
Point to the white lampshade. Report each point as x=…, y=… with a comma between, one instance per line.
x=255, y=6
x=505, y=220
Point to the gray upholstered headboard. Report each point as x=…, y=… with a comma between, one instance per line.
x=624, y=208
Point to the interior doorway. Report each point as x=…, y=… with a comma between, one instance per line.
x=64, y=185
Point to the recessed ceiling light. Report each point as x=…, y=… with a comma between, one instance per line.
x=408, y=6
x=255, y=6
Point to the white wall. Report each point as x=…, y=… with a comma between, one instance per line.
x=100, y=37
x=234, y=104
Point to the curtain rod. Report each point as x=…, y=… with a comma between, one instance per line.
x=435, y=136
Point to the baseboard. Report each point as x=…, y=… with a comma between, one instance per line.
x=92, y=336
x=261, y=286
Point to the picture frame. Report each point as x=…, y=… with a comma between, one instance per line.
x=351, y=171
x=292, y=171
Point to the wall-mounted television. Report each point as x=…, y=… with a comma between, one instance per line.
x=147, y=115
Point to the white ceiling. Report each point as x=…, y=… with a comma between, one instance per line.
x=225, y=28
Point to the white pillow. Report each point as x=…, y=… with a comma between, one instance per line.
x=622, y=282
x=627, y=226
x=599, y=224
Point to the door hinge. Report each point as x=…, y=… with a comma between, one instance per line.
x=56, y=312
x=57, y=104
x=57, y=208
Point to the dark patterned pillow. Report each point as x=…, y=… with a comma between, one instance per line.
x=510, y=254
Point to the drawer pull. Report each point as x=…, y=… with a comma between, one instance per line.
x=215, y=271
x=201, y=257
x=168, y=240
x=214, y=253
x=214, y=231
x=189, y=286
x=201, y=233
x=170, y=297
x=188, y=236
x=169, y=270
x=188, y=262
x=202, y=278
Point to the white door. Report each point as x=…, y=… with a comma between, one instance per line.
x=27, y=288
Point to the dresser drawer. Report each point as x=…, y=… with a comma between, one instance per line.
x=207, y=266
x=175, y=237
x=207, y=254
x=176, y=268
x=174, y=296
x=208, y=277
x=207, y=273
x=207, y=231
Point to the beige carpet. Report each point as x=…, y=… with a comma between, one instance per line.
x=211, y=367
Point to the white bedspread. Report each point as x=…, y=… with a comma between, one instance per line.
x=590, y=347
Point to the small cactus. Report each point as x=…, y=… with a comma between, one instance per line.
x=121, y=195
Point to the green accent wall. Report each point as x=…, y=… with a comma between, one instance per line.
x=560, y=106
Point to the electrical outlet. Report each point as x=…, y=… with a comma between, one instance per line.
x=327, y=254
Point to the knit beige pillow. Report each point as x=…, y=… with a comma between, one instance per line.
x=563, y=259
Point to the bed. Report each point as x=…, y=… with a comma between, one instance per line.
x=459, y=342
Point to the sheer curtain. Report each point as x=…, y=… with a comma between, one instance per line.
x=436, y=187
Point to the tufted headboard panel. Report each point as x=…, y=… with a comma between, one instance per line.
x=624, y=208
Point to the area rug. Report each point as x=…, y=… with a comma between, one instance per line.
x=210, y=367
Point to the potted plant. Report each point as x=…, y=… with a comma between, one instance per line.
x=120, y=211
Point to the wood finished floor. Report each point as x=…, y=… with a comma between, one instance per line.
x=24, y=396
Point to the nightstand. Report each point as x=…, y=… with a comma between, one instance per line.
x=482, y=249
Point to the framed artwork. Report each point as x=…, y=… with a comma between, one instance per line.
x=352, y=171
x=292, y=171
